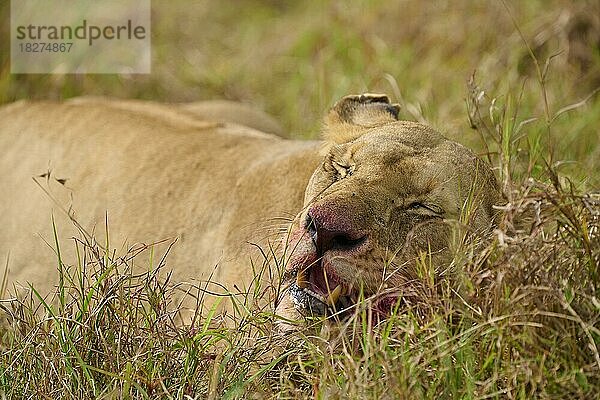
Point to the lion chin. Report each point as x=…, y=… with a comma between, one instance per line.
x=378, y=195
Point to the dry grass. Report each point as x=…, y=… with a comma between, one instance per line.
x=518, y=319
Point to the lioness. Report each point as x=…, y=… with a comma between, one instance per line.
x=380, y=192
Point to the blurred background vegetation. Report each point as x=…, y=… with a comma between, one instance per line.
x=294, y=59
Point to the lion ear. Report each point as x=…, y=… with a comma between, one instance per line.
x=350, y=117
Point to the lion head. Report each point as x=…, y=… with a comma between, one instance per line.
x=386, y=192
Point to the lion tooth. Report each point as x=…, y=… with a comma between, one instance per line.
x=334, y=296
x=302, y=280
x=345, y=290
x=349, y=289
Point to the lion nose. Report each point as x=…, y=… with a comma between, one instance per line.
x=329, y=232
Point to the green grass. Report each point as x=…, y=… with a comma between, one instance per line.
x=517, y=319
x=520, y=320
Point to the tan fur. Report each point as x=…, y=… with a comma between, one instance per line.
x=163, y=172
x=230, y=111
x=157, y=171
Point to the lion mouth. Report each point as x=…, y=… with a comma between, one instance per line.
x=321, y=292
